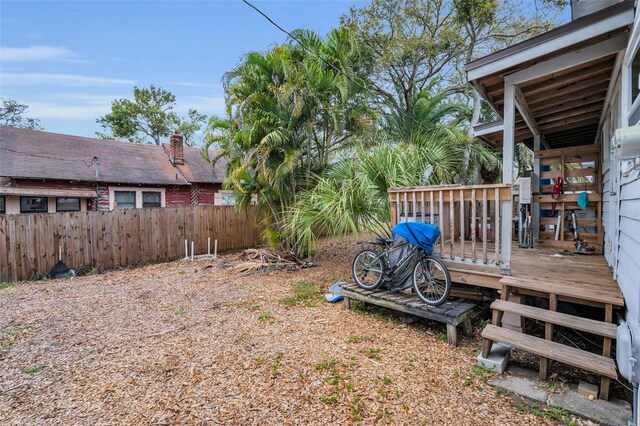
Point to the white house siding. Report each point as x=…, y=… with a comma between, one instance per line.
x=611, y=122
x=629, y=242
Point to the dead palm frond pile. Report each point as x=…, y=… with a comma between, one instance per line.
x=259, y=259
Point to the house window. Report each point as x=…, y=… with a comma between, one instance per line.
x=151, y=199
x=67, y=204
x=125, y=199
x=34, y=204
x=3, y=206
x=224, y=198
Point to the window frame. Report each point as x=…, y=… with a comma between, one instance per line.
x=58, y=209
x=3, y=209
x=138, y=192
x=115, y=201
x=46, y=205
x=159, y=203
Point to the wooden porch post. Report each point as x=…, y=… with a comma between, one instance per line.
x=508, y=146
x=535, y=189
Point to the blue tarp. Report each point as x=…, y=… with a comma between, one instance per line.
x=419, y=234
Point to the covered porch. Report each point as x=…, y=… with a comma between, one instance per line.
x=558, y=94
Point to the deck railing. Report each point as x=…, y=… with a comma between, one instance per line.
x=469, y=218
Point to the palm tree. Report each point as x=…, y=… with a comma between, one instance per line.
x=289, y=113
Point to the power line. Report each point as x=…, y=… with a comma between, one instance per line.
x=315, y=53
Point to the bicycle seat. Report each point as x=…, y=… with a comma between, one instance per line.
x=381, y=240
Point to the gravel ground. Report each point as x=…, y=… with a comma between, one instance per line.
x=191, y=343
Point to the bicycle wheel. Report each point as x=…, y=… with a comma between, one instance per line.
x=367, y=269
x=431, y=281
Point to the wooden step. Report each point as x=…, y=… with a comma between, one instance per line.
x=598, y=364
x=571, y=321
x=565, y=288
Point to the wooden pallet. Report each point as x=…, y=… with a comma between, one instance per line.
x=453, y=312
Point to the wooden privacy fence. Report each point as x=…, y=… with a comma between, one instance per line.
x=469, y=218
x=29, y=243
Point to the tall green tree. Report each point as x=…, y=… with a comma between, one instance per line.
x=289, y=112
x=148, y=118
x=414, y=42
x=13, y=113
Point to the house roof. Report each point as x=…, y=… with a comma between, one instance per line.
x=625, y=6
x=196, y=170
x=562, y=78
x=33, y=154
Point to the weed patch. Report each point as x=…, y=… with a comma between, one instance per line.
x=275, y=365
x=265, y=316
x=359, y=339
x=5, y=285
x=549, y=413
x=372, y=353
x=478, y=376
x=33, y=369
x=304, y=294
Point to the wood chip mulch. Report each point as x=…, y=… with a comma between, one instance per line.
x=194, y=343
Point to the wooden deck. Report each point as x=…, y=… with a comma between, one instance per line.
x=584, y=273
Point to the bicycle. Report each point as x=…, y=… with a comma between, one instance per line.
x=405, y=261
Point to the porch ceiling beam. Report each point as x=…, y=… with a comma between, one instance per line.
x=622, y=18
x=489, y=128
x=569, y=60
x=525, y=112
x=583, y=101
x=568, y=94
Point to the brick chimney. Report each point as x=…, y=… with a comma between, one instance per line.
x=176, y=148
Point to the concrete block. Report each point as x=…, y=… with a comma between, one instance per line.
x=588, y=390
x=498, y=358
x=511, y=321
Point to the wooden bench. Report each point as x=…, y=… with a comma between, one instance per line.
x=598, y=328
x=453, y=313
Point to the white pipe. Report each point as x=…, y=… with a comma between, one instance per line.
x=186, y=249
x=60, y=252
x=192, y=245
x=209, y=246
x=215, y=249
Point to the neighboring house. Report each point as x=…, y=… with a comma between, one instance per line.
x=49, y=172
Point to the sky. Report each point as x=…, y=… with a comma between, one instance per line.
x=68, y=60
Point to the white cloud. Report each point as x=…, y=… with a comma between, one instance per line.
x=70, y=107
x=195, y=84
x=46, y=110
x=61, y=79
x=35, y=53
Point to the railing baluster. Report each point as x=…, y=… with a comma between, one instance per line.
x=432, y=207
x=406, y=208
x=415, y=208
x=462, y=224
x=473, y=224
x=496, y=226
x=441, y=222
x=452, y=222
x=484, y=225
x=422, y=209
